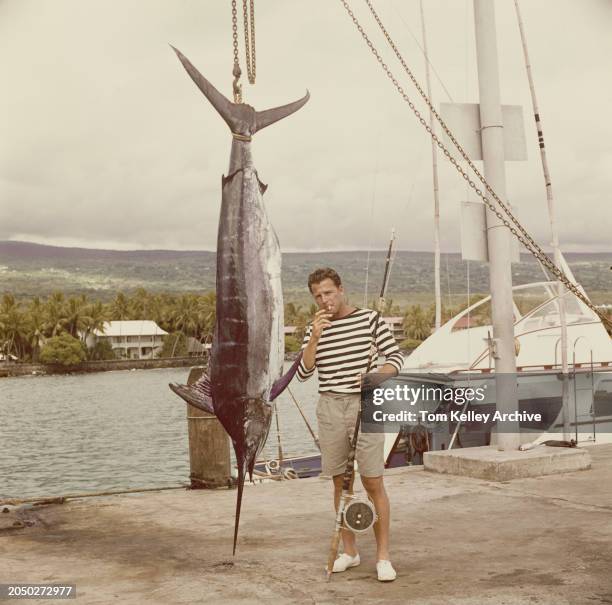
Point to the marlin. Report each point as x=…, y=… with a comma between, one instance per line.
x=247, y=354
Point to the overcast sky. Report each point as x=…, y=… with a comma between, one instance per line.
x=106, y=142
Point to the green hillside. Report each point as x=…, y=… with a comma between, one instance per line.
x=30, y=269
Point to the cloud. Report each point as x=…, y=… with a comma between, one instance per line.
x=107, y=141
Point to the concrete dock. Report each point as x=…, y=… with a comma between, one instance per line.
x=455, y=540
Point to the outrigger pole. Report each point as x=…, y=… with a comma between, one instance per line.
x=558, y=256
x=434, y=159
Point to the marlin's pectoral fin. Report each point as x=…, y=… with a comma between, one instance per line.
x=198, y=394
x=229, y=177
x=283, y=382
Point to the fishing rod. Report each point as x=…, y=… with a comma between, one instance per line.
x=380, y=305
x=353, y=514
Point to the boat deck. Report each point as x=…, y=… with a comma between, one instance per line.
x=454, y=540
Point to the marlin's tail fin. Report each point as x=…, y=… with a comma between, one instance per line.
x=241, y=118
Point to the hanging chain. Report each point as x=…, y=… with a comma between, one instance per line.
x=249, y=46
x=523, y=236
x=249, y=20
x=236, y=72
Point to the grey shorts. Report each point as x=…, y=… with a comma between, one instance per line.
x=336, y=415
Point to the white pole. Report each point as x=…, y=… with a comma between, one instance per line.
x=434, y=158
x=498, y=236
x=553, y=227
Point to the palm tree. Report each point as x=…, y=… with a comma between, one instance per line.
x=120, y=307
x=139, y=304
x=95, y=318
x=76, y=316
x=185, y=314
x=416, y=323
x=184, y=317
x=12, y=326
x=292, y=311
x=55, y=314
x=157, y=311
x=207, y=315
x=35, y=326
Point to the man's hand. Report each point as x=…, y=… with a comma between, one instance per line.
x=373, y=379
x=320, y=322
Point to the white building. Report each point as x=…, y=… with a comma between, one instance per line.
x=134, y=339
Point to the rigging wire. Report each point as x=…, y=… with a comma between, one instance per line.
x=450, y=299
x=371, y=222
x=450, y=98
x=312, y=433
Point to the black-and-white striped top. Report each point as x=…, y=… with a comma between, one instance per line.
x=344, y=350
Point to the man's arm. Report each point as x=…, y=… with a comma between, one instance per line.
x=313, y=334
x=309, y=354
x=385, y=343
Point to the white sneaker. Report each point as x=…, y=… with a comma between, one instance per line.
x=385, y=571
x=344, y=561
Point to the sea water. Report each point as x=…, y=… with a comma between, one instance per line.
x=118, y=430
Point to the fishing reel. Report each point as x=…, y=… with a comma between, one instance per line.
x=272, y=466
x=359, y=515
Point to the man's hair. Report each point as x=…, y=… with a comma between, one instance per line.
x=318, y=275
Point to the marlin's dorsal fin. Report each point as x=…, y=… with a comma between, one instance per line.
x=283, y=382
x=240, y=117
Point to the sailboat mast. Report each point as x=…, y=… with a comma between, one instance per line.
x=553, y=224
x=434, y=159
x=498, y=236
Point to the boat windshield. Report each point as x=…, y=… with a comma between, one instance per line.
x=528, y=298
x=478, y=316
x=537, y=307
x=548, y=315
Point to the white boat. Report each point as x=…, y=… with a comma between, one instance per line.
x=460, y=350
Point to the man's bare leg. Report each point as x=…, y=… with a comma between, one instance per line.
x=348, y=537
x=376, y=491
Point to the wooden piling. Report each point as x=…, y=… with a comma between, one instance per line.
x=209, y=447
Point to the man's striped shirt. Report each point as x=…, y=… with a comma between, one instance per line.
x=345, y=348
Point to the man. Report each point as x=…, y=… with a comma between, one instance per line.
x=339, y=344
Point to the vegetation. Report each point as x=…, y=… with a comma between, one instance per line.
x=102, y=351
x=64, y=350
x=30, y=327
x=292, y=344
x=52, y=290
x=175, y=345
x=409, y=344
x=27, y=326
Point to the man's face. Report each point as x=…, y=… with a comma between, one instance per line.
x=328, y=296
